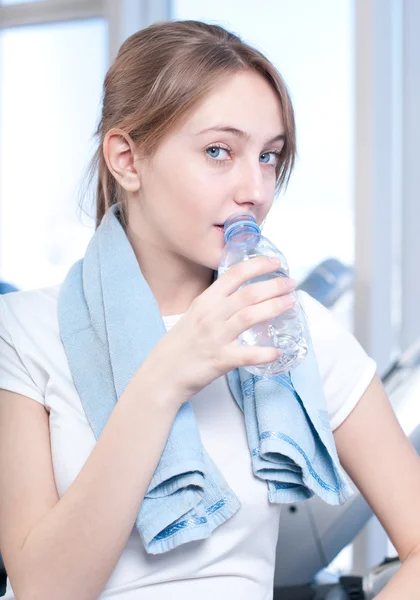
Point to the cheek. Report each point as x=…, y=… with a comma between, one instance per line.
x=199, y=189
x=270, y=186
x=185, y=182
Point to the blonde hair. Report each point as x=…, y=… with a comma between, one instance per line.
x=161, y=73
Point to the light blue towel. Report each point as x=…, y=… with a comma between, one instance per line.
x=109, y=322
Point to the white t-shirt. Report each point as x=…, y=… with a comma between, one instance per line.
x=237, y=561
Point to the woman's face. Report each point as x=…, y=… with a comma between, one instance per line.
x=221, y=160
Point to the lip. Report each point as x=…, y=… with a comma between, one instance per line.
x=223, y=224
x=221, y=231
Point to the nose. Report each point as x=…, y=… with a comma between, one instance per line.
x=250, y=185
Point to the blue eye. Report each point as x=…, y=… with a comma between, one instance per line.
x=215, y=151
x=270, y=158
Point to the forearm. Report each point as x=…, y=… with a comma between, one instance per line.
x=405, y=584
x=72, y=552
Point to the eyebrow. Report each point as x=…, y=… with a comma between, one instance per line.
x=239, y=133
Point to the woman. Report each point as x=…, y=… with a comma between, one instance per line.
x=196, y=125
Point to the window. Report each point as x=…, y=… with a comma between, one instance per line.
x=50, y=89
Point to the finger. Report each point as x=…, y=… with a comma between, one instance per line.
x=242, y=272
x=243, y=356
x=258, y=313
x=254, y=293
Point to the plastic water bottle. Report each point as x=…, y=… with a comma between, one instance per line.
x=289, y=331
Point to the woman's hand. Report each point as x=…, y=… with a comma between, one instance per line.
x=203, y=344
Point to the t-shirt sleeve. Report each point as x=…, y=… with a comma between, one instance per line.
x=14, y=375
x=345, y=368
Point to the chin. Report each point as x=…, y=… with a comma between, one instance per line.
x=215, y=259
x=205, y=254
x=210, y=261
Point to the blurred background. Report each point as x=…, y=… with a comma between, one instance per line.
x=352, y=67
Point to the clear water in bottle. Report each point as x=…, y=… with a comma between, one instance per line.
x=289, y=331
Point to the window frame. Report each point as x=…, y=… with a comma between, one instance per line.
x=387, y=207
x=123, y=17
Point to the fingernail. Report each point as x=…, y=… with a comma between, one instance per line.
x=290, y=300
x=291, y=283
x=275, y=260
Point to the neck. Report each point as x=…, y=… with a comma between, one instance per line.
x=175, y=282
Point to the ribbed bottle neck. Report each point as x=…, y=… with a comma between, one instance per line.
x=241, y=223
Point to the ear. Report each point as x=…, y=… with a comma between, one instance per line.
x=119, y=154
